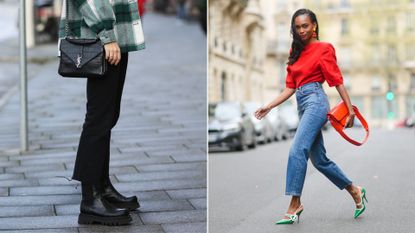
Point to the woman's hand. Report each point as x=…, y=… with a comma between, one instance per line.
x=112, y=53
x=262, y=112
x=345, y=96
x=350, y=119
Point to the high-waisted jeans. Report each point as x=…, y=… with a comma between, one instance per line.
x=308, y=141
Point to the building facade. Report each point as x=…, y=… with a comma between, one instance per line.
x=236, y=51
x=375, y=47
x=277, y=17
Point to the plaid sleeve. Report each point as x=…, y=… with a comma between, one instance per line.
x=100, y=18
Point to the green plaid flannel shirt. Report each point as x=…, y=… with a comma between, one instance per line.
x=110, y=20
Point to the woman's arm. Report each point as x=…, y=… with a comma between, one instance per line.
x=100, y=18
x=343, y=93
x=263, y=111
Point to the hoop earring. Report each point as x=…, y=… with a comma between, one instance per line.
x=314, y=34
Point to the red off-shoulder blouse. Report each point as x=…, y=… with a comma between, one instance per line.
x=317, y=63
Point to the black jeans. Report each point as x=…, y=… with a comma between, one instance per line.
x=102, y=112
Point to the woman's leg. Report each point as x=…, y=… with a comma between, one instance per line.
x=325, y=165
x=331, y=170
x=307, y=131
x=92, y=159
x=308, y=128
x=119, y=90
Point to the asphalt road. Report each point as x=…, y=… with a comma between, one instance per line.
x=246, y=189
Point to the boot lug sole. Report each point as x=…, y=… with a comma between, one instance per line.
x=108, y=221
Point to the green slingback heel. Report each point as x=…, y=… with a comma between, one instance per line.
x=291, y=218
x=359, y=211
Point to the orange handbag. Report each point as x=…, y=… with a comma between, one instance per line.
x=338, y=116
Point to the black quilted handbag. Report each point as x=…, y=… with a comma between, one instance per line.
x=82, y=58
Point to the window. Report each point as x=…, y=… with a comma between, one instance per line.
x=283, y=38
x=391, y=25
x=223, y=86
x=317, y=3
x=375, y=83
x=410, y=21
x=344, y=27
x=345, y=3
x=344, y=57
x=376, y=53
x=374, y=28
x=410, y=51
x=392, y=53
x=281, y=3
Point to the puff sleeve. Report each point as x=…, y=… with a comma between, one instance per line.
x=329, y=67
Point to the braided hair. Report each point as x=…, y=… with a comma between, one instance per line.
x=297, y=45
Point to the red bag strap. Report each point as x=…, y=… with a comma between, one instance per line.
x=339, y=128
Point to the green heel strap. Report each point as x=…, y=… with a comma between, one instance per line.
x=291, y=218
x=359, y=211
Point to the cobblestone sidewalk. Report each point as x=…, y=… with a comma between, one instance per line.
x=158, y=147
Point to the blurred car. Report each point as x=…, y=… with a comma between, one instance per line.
x=280, y=127
x=230, y=126
x=410, y=121
x=263, y=128
x=47, y=15
x=289, y=114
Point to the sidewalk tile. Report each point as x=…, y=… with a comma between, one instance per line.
x=17, y=223
x=144, y=176
x=199, y=203
x=26, y=211
x=185, y=216
x=124, y=229
x=39, y=200
x=187, y=193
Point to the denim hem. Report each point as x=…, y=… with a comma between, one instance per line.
x=341, y=188
x=293, y=194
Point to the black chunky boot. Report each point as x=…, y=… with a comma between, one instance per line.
x=116, y=199
x=96, y=209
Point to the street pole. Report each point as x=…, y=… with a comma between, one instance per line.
x=23, y=78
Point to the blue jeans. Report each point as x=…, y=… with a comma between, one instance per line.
x=308, y=141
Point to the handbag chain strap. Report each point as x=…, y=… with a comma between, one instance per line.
x=67, y=29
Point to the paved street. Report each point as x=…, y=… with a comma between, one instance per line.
x=246, y=190
x=158, y=147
